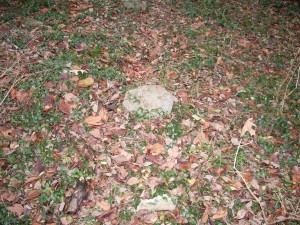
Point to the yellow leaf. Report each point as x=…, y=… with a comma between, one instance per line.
x=87, y=82
x=191, y=181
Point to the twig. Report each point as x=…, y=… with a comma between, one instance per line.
x=8, y=69
x=247, y=185
x=17, y=81
x=11, y=87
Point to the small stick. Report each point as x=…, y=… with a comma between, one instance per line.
x=11, y=87
x=247, y=185
x=17, y=81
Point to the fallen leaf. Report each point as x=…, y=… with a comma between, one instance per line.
x=33, y=194
x=248, y=127
x=236, y=185
x=169, y=164
x=8, y=196
x=64, y=107
x=133, y=180
x=235, y=141
x=66, y=220
x=241, y=214
x=244, y=43
x=97, y=120
x=22, y=96
x=174, y=152
x=103, y=114
x=16, y=209
x=48, y=103
x=69, y=97
x=96, y=133
x=5, y=81
x=87, y=82
x=255, y=184
x=201, y=138
x=77, y=197
x=155, y=149
x=103, y=205
x=220, y=214
x=219, y=62
x=122, y=157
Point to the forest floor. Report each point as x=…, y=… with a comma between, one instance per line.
x=227, y=154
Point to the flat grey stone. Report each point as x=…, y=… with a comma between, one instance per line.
x=159, y=203
x=33, y=23
x=138, y=5
x=149, y=98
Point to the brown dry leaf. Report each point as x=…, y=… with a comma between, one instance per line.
x=219, y=62
x=206, y=213
x=220, y=214
x=218, y=127
x=248, y=127
x=33, y=194
x=244, y=43
x=22, y=96
x=236, y=185
x=64, y=107
x=8, y=196
x=255, y=184
x=122, y=157
x=16, y=209
x=248, y=176
x=66, y=220
x=103, y=205
x=174, y=152
x=133, y=180
x=77, y=197
x=87, y=82
x=155, y=149
x=169, y=164
x=296, y=177
x=5, y=81
x=241, y=213
x=69, y=97
x=48, y=103
x=96, y=133
x=103, y=114
x=201, y=138
x=97, y=120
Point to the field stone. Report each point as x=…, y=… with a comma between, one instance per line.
x=148, y=98
x=137, y=5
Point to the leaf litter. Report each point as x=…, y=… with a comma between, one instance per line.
x=85, y=156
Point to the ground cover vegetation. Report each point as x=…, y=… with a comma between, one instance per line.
x=227, y=154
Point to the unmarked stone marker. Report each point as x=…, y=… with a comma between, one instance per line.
x=148, y=98
x=159, y=203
